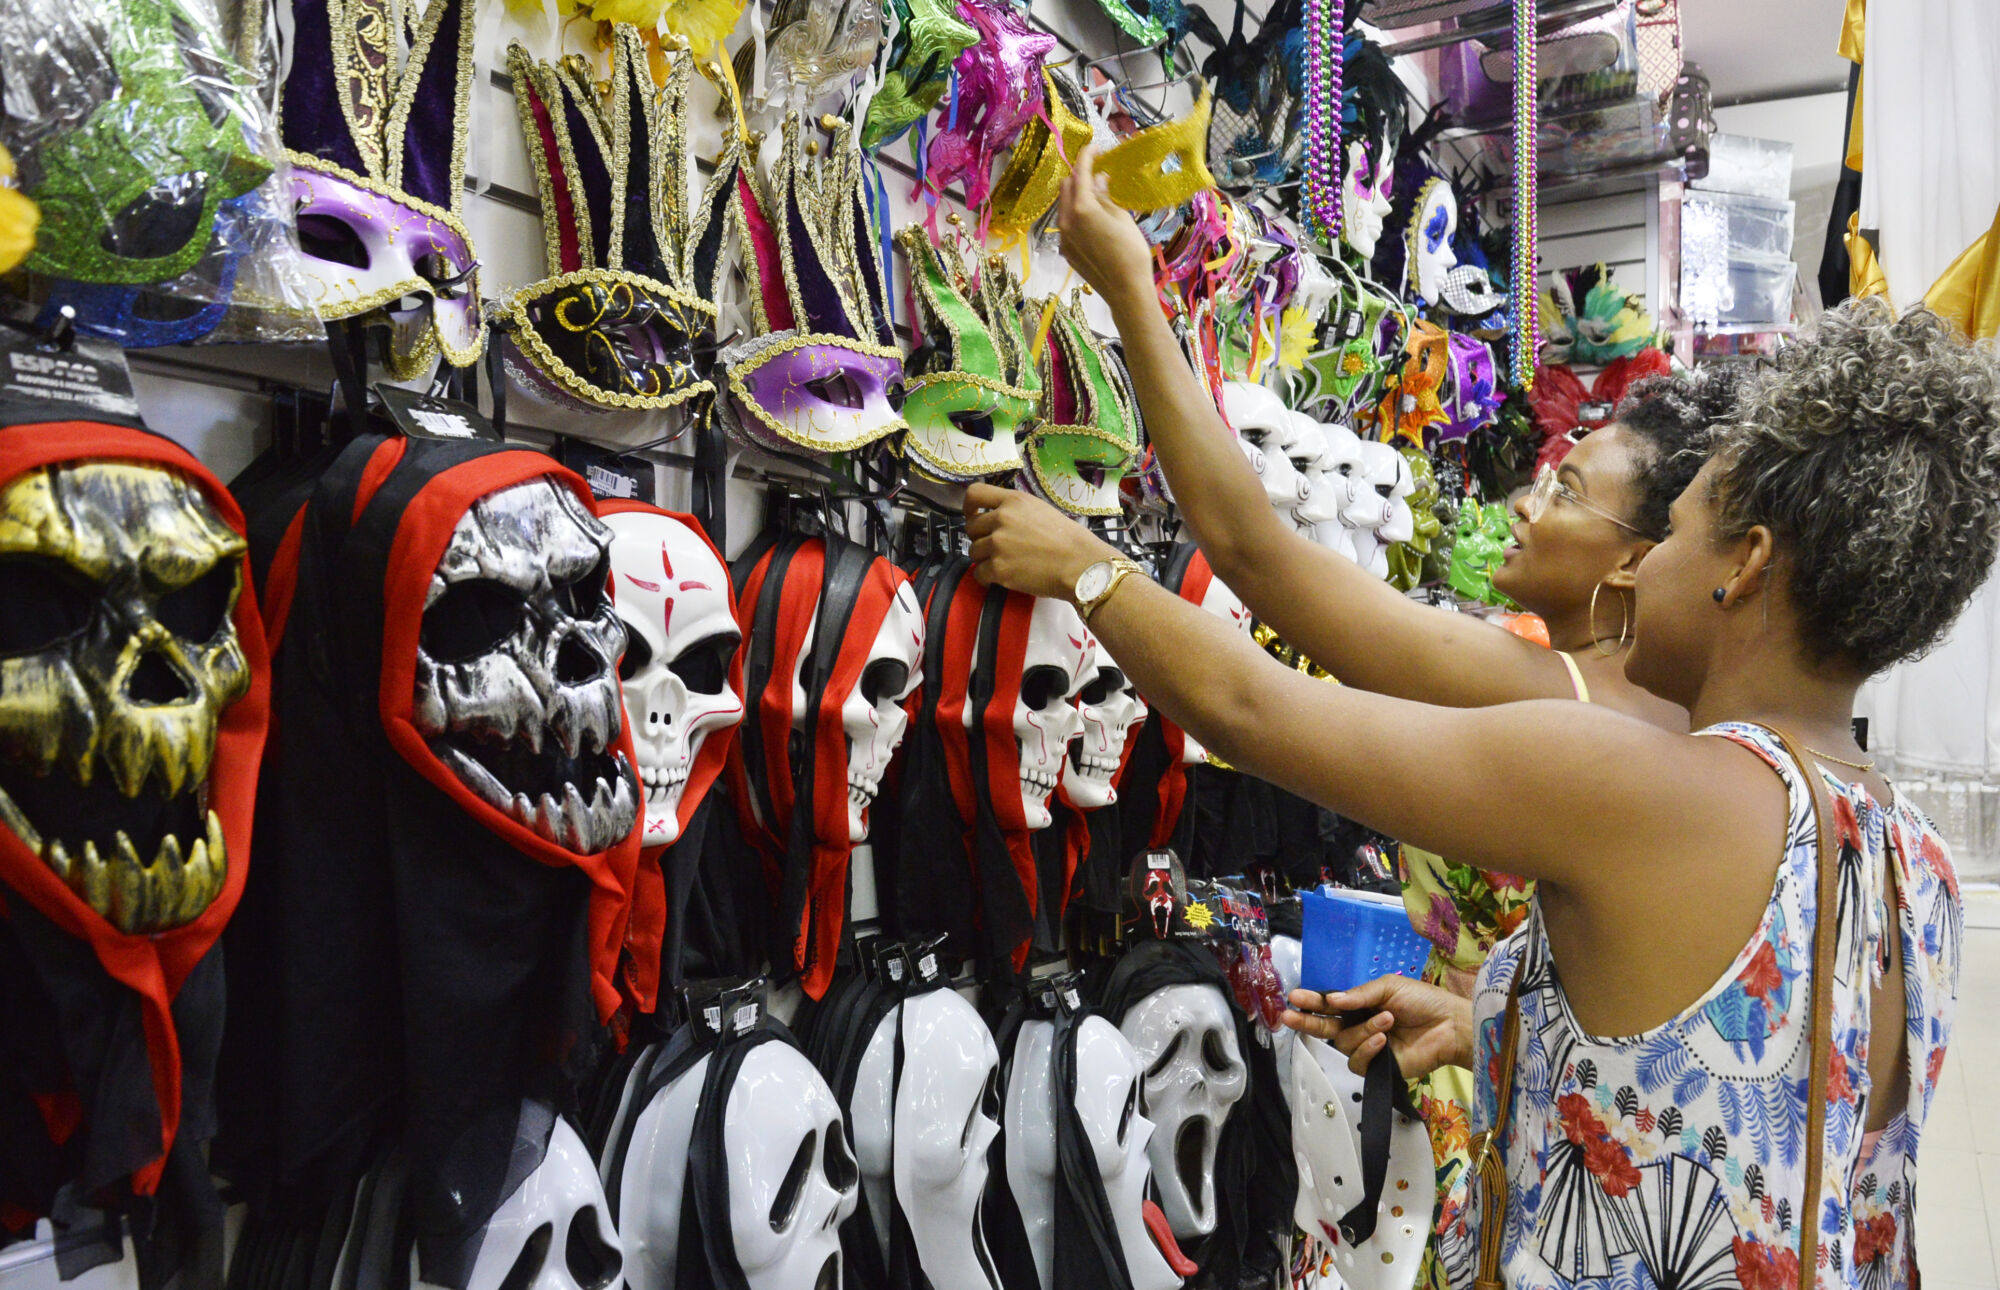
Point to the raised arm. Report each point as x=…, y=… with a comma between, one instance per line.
x=1354, y=625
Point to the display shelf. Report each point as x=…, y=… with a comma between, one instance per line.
x=1495, y=25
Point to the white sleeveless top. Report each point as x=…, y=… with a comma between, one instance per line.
x=1676, y=1158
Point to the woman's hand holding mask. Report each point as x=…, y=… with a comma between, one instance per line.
x=1100, y=239
x=1425, y=1026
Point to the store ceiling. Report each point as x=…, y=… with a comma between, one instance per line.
x=1765, y=49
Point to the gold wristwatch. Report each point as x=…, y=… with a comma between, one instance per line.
x=1095, y=584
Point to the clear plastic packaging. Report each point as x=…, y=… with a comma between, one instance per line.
x=145, y=132
x=1749, y=226
x=1741, y=163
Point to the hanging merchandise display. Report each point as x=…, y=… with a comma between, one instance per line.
x=135, y=651
x=376, y=137
x=929, y=37
x=1088, y=434
x=996, y=89
x=1326, y=52
x=1041, y=159
x=616, y=323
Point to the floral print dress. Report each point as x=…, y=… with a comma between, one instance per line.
x=1676, y=1158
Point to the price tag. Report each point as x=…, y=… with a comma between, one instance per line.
x=424, y=416
x=609, y=474
x=88, y=375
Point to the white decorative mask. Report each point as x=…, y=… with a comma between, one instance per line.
x=1186, y=1037
x=1264, y=429
x=673, y=596
x=554, y=1232
x=1112, y=710
x=872, y=714
x=791, y=1175
x=1046, y=719
x=1107, y=1104
x=1327, y=487
x=1381, y=512
x=1225, y=604
x=1365, y=201
x=946, y=1116
x=1287, y=959
x=1326, y=1101
x=1436, y=224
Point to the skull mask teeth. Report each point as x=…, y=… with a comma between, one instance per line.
x=118, y=657
x=515, y=685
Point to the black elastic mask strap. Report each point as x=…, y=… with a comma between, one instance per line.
x=1384, y=1097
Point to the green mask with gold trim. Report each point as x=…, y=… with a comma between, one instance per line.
x=1089, y=435
x=969, y=388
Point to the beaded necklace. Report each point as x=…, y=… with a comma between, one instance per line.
x=1326, y=54
x=1522, y=271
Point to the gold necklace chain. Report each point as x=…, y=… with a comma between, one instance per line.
x=1863, y=767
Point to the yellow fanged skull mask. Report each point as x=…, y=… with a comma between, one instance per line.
x=118, y=657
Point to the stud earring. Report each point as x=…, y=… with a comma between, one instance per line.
x=1721, y=594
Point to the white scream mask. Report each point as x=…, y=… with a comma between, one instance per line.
x=1225, y=604
x=872, y=713
x=1112, y=710
x=1287, y=959
x=1185, y=1036
x=1380, y=514
x=1046, y=719
x=673, y=596
x=1365, y=203
x=791, y=1175
x=1107, y=1104
x=1264, y=429
x=1326, y=1101
x=946, y=1116
x=554, y=1232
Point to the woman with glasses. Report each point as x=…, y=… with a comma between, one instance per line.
x=1725, y=1082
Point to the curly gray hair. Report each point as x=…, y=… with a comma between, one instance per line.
x=1873, y=451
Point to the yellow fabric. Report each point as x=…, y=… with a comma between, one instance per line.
x=1969, y=291
x=19, y=217
x=1853, y=160
x=1854, y=30
x=1864, y=271
x=1135, y=169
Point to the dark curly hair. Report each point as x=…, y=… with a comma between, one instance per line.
x=1872, y=451
x=1678, y=418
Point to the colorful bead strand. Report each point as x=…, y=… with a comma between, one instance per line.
x=1527, y=168
x=1326, y=59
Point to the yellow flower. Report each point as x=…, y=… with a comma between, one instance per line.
x=19, y=217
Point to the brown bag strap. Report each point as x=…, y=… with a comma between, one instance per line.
x=1826, y=939
x=1491, y=1169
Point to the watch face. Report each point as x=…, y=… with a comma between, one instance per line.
x=1093, y=582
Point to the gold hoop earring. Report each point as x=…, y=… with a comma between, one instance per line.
x=1624, y=624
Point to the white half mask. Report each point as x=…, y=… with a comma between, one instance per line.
x=1107, y=1103
x=946, y=1116
x=1264, y=430
x=1112, y=710
x=1225, y=604
x=1437, y=223
x=1045, y=713
x=791, y=1174
x=1328, y=487
x=1326, y=1101
x=1365, y=204
x=1381, y=512
x=673, y=596
x=554, y=1232
x=1185, y=1036
x=872, y=714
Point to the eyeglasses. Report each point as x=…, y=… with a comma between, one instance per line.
x=1547, y=488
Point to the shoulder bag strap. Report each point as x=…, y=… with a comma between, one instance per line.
x=1826, y=939
x=1489, y=1164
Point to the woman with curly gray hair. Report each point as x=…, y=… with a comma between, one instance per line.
x=1648, y=1104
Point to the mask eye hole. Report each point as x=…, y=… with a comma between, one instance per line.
x=1043, y=687
x=838, y=1161
x=159, y=221
x=785, y=1205
x=583, y=597
x=704, y=666
x=325, y=237
x=837, y=388
x=470, y=619
x=894, y=393
x=637, y=654
x=47, y=603
x=976, y=424
x=1106, y=683
x=1213, y=1054
x=885, y=678
x=528, y=1263
x=1131, y=1109
x=593, y=1262
x=1167, y=1055
x=199, y=610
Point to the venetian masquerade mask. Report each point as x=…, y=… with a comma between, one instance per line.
x=377, y=147
x=1349, y=362
x=971, y=385
x=1088, y=436
x=822, y=372
x=814, y=45
x=682, y=671
x=134, y=698
x=1111, y=709
x=142, y=317
x=1430, y=255
x=1471, y=399
x=998, y=90
x=1365, y=201
x=1375, y=1220
x=835, y=636
x=1162, y=166
x=144, y=126
x=1041, y=160
x=928, y=38
x=615, y=323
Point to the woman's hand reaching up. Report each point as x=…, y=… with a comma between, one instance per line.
x=1100, y=239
